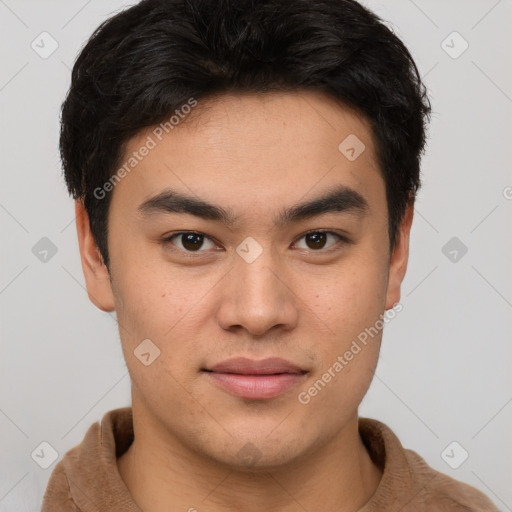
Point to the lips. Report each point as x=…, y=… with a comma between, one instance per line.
x=253, y=379
x=244, y=366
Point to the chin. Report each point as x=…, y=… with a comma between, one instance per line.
x=257, y=451
x=251, y=459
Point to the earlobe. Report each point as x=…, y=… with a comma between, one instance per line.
x=97, y=278
x=399, y=258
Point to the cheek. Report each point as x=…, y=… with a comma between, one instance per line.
x=343, y=394
x=347, y=363
x=167, y=306
x=353, y=298
x=352, y=306
x=158, y=307
x=153, y=297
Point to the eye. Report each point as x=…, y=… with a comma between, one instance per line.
x=190, y=241
x=318, y=240
x=196, y=242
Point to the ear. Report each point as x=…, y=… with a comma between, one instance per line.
x=399, y=258
x=96, y=274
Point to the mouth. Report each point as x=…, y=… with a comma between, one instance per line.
x=255, y=380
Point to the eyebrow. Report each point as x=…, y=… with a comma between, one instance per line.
x=340, y=199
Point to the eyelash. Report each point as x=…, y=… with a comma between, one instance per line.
x=343, y=239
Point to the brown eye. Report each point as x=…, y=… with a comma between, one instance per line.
x=190, y=241
x=317, y=240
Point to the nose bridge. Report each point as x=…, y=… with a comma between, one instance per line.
x=257, y=297
x=258, y=277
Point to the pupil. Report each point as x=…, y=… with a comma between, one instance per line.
x=192, y=241
x=317, y=239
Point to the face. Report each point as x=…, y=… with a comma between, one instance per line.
x=289, y=259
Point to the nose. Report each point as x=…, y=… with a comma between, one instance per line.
x=258, y=297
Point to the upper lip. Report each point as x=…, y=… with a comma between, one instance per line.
x=244, y=366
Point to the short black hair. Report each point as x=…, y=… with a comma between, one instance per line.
x=144, y=63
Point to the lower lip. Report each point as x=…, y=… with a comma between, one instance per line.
x=256, y=387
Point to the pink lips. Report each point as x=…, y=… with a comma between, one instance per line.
x=255, y=380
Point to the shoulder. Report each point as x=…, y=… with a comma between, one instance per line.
x=409, y=484
x=87, y=473
x=442, y=493
x=57, y=497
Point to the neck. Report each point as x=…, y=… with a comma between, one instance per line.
x=162, y=474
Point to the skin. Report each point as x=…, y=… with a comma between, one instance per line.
x=254, y=154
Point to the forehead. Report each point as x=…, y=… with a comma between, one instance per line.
x=253, y=150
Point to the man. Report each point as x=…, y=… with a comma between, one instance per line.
x=245, y=176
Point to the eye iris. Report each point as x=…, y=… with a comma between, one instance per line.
x=318, y=240
x=192, y=241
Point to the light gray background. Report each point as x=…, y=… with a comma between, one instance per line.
x=444, y=374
